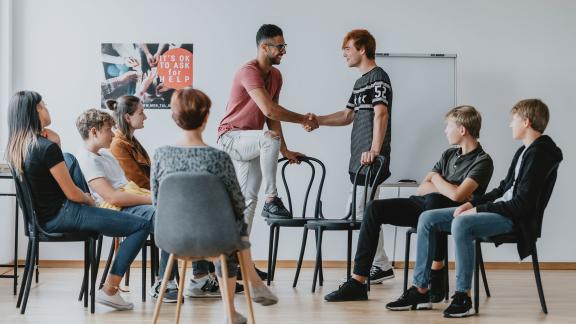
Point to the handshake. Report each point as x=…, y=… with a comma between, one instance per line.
x=310, y=123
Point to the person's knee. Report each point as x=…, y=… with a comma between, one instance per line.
x=369, y=211
x=271, y=139
x=426, y=220
x=272, y=134
x=460, y=226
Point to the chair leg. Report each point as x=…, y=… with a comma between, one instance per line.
x=37, y=261
x=98, y=255
x=270, y=250
x=127, y=278
x=180, y=291
x=144, y=265
x=536, y=267
x=28, y=280
x=153, y=260
x=483, y=272
x=163, y=288
x=318, y=259
x=447, y=272
x=87, y=264
x=301, y=257
x=94, y=272
x=24, y=275
x=349, y=255
x=275, y=255
x=227, y=290
x=406, y=259
x=247, y=292
x=108, y=264
x=477, y=278
x=321, y=273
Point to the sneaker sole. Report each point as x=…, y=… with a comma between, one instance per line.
x=346, y=300
x=203, y=296
x=465, y=314
x=264, y=301
x=380, y=280
x=115, y=306
x=423, y=306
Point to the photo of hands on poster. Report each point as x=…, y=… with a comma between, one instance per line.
x=149, y=71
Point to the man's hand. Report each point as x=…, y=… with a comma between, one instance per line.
x=310, y=123
x=292, y=156
x=368, y=158
x=465, y=209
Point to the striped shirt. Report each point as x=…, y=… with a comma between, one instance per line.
x=373, y=88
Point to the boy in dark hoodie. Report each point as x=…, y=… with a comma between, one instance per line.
x=511, y=207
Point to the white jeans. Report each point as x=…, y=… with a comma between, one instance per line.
x=255, y=156
x=380, y=259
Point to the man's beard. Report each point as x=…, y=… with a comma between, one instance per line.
x=273, y=60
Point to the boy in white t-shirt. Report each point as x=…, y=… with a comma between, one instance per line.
x=106, y=179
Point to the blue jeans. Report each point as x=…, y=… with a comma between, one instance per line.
x=74, y=217
x=147, y=212
x=465, y=230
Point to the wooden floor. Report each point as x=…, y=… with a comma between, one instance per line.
x=514, y=300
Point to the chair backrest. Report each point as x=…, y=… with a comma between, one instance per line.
x=306, y=160
x=25, y=200
x=377, y=165
x=194, y=216
x=544, y=196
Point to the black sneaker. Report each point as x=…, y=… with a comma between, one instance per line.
x=437, y=285
x=349, y=291
x=276, y=209
x=411, y=299
x=263, y=275
x=377, y=275
x=239, y=288
x=461, y=306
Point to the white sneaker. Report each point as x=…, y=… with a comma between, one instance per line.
x=263, y=296
x=238, y=319
x=115, y=301
x=195, y=285
x=208, y=288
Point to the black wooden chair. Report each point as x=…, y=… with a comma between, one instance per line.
x=542, y=202
x=36, y=234
x=348, y=224
x=276, y=224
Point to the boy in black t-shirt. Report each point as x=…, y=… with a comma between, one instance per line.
x=463, y=172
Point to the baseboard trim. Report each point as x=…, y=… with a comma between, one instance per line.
x=334, y=264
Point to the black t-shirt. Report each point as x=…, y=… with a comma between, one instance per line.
x=47, y=195
x=370, y=90
x=455, y=167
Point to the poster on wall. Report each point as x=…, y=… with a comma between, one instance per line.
x=150, y=71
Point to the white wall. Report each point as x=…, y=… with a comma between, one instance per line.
x=506, y=51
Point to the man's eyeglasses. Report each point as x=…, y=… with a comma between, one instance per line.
x=280, y=47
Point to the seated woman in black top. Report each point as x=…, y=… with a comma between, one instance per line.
x=60, y=194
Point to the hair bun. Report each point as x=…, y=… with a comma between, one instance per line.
x=111, y=104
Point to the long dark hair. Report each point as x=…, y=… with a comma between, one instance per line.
x=122, y=106
x=24, y=126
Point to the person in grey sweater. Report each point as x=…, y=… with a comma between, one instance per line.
x=190, y=111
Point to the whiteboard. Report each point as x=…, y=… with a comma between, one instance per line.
x=424, y=89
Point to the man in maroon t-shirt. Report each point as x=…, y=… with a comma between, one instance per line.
x=253, y=103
